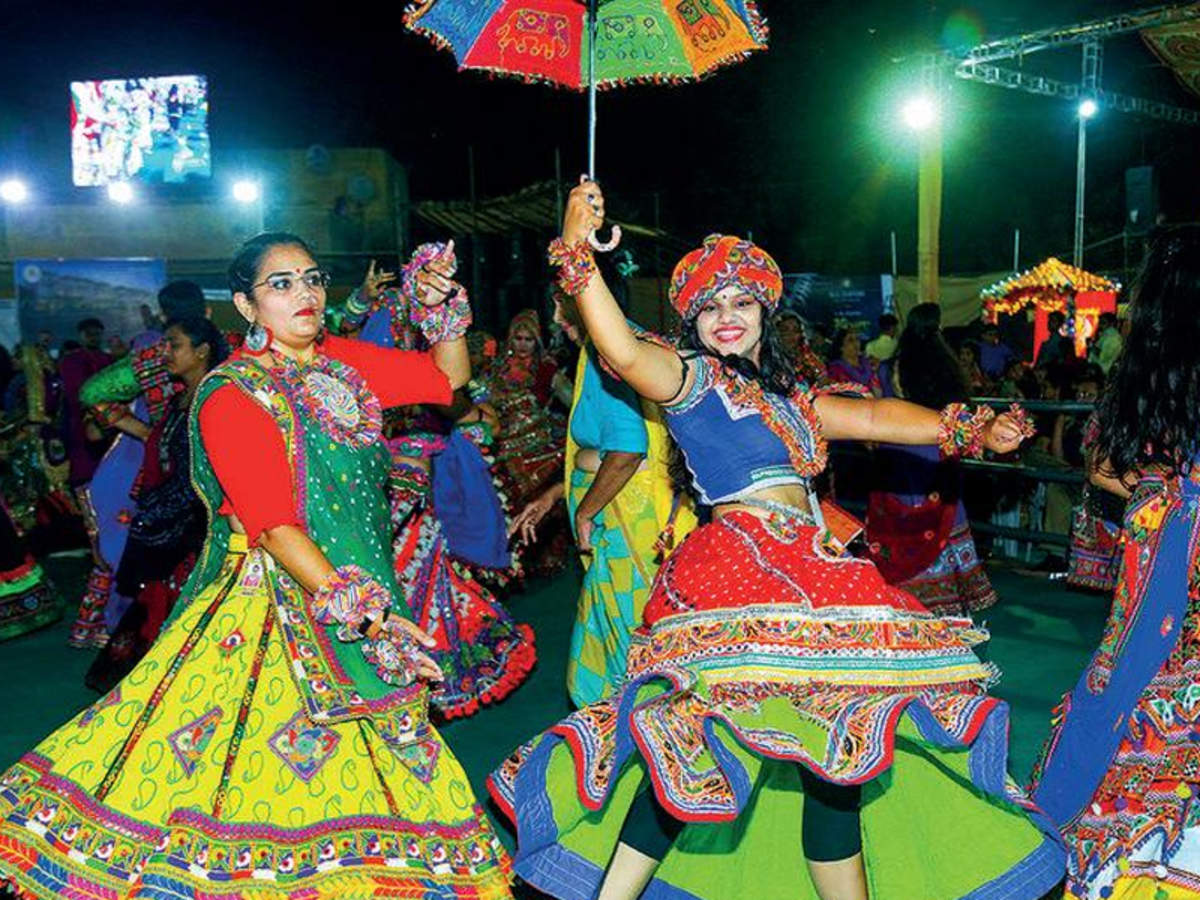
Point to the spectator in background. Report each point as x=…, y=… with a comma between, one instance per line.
x=994, y=354
x=76, y=366
x=848, y=364
x=809, y=367
x=1058, y=350
x=883, y=347
x=1010, y=383
x=1106, y=346
x=968, y=360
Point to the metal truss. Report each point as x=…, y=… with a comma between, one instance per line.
x=979, y=63
x=1096, y=30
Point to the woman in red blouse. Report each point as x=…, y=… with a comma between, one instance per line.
x=284, y=708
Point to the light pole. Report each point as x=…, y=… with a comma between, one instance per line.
x=1087, y=109
x=1089, y=90
x=922, y=115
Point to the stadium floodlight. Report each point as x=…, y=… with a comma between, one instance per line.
x=919, y=113
x=120, y=192
x=246, y=190
x=13, y=190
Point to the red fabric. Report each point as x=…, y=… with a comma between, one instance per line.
x=396, y=377
x=247, y=453
x=738, y=561
x=903, y=541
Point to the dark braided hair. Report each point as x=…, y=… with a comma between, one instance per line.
x=1150, y=412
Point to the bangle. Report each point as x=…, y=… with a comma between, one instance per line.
x=447, y=321
x=392, y=655
x=1024, y=421
x=960, y=432
x=352, y=599
x=576, y=265
x=357, y=303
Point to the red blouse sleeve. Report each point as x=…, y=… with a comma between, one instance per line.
x=247, y=453
x=396, y=377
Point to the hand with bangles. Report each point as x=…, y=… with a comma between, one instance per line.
x=375, y=281
x=433, y=279
x=1005, y=433
x=361, y=607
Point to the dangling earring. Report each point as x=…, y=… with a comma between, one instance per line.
x=258, y=339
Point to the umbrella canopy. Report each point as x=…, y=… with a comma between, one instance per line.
x=636, y=40
x=1049, y=286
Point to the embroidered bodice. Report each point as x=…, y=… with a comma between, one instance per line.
x=738, y=439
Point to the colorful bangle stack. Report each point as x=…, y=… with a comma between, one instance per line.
x=392, y=655
x=576, y=265
x=445, y=322
x=1023, y=421
x=960, y=432
x=357, y=304
x=352, y=599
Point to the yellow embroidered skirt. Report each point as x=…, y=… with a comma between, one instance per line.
x=199, y=775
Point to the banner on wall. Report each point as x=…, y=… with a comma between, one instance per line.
x=831, y=302
x=55, y=294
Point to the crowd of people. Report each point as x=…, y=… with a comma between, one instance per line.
x=305, y=539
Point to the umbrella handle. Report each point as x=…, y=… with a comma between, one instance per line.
x=605, y=246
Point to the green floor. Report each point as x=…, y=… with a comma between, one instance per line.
x=1042, y=634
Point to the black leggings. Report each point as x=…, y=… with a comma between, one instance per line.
x=829, y=831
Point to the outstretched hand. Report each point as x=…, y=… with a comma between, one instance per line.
x=1004, y=433
x=405, y=635
x=435, y=280
x=524, y=524
x=375, y=280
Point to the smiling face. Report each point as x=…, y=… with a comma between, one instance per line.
x=294, y=316
x=730, y=323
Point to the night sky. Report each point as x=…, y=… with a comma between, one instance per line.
x=798, y=145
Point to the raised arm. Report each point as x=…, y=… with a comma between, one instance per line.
x=895, y=421
x=654, y=372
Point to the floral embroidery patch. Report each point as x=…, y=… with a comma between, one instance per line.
x=421, y=758
x=190, y=741
x=304, y=746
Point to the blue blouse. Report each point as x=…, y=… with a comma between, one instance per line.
x=607, y=416
x=730, y=450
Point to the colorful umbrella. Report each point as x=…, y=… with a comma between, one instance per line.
x=590, y=44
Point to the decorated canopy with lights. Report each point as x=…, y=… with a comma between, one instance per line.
x=1046, y=287
x=636, y=40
